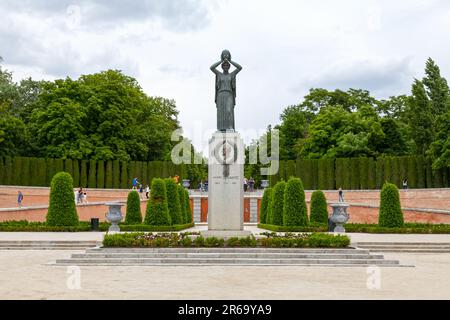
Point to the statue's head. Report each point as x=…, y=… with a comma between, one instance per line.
x=226, y=66
x=226, y=55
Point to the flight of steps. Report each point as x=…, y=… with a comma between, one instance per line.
x=47, y=245
x=407, y=247
x=226, y=256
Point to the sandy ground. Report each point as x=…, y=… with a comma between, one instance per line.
x=25, y=275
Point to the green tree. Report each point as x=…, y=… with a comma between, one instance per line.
x=391, y=215
x=133, y=214
x=278, y=203
x=62, y=210
x=187, y=205
x=265, y=205
x=157, y=213
x=182, y=197
x=173, y=200
x=294, y=208
x=319, y=208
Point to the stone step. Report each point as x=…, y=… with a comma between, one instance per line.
x=223, y=255
x=50, y=242
x=42, y=248
x=224, y=261
x=411, y=250
x=48, y=245
x=349, y=251
x=370, y=247
x=405, y=243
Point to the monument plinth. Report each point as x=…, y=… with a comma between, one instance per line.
x=226, y=160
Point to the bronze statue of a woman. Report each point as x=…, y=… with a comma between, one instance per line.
x=225, y=92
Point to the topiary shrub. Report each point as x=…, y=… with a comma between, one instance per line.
x=173, y=201
x=157, y=213
x=62, y=211
x=182, y=197
x=187, y=206
x=294, y=210
x=278, y=204
x=265, y=205
x=133, y=215
x=391, y=215
x=319, y=208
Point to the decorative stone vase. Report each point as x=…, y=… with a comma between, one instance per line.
x=186, y=183
x=114, y=215
x=264, y=184
x=340, y=216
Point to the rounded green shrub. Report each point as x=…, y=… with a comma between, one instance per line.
x=277, y=204
x=187, y=206
x=294, y=210
x=62, y=211
x=157, y=213
x=391, y=215
x=319, y=208
x=173, y=201
x=133, y=215
x=182, y=196
x=265, y=205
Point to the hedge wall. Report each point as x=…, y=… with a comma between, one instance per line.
x=325, y=174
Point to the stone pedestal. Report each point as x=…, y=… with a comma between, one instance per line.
x=226, y=187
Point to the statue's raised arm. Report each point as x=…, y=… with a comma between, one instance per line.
x=214, y=67
x=237, y=66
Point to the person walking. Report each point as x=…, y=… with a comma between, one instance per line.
x=405, y=184
x=341, y=195
x=80, y=195
x=147, y=192
x=245, y=184
x=135, y=184
x=19, y=199
x=251, y=184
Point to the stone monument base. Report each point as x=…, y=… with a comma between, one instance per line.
x=226, y=234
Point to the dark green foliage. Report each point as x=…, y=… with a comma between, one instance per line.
x=50, y=171
x=59, y=165
x=92, y=174
x=124, y=176
x=2, y=172
x=133, y=214
x=391, y=214
x=265, y=202
x=380, y=173
x=182, y=197
x=8, y=175
x=100, y=174
x=157, y=213
x=83, y=174
x=294, y=210
x=363, y=173
x=173, y=201
x=109, y=175
x=322, y=167
x=68, y=167
x=116, y=175
x=331, y=173
x=421, y=180
x=62, y=210
x=187, y=206
x=387, y=170
x=347, y=167
x=371, y=176
x=76, y=172
x=144, y=175
x=319, y=208
x=277, y=203
x=25, y=176
x=340, y=173
x=354, y=173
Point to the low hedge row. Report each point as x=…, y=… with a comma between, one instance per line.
x=189, y=240
x=25, y=226
x=412, y=228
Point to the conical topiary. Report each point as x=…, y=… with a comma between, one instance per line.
x=182, y=196
x=294, y=210
x=391, y=215
x=187, y=206
x=173, y=201
x=319, y=208
x=133, y=215
x=265, y=202
x=278, y=203
x=157, y=213
x=62, y=211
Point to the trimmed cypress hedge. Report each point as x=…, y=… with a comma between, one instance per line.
x=133, y=214
x=62, y=210
x=391, y=215
x=265, y=202
x=157, y=213
x=278, y=203
x=83, y=174
x=182, y=197
x=116, y=174
x=173, y=201
x=294, y=208
x=187, y=205
x=124, y=176
x=76, y=172
x=100, y=174
x=319, y=208
x=109, y=175
x=92, y=174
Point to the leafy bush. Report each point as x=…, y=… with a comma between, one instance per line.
x=157, y=213
x=294, y=210
x=319, y=208
x=265, y=202
x=182, y=197
x=133, y=214
x=187, y=207
x=173, y=201
x=277, y=203
x=199, y=241
x=391, y=215
x=62, y=210
x=213, y=242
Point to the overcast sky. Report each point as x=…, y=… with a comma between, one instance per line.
x=286, y=47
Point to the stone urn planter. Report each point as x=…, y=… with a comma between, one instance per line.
x=114, y=215
x=186, y=183
x=264, y=184
x=339, y=216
